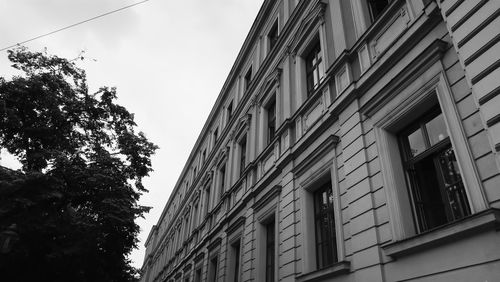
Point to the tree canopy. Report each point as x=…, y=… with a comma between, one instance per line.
x=74, y=203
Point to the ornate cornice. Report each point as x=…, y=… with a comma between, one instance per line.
x=272, y=81
x=209, y=174
x=314, y=17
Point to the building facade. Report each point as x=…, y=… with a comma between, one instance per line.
x=352, y=141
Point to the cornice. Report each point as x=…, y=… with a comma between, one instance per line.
x=313, y=18
x=235, y=225
x=215, y=243
x=266, y=198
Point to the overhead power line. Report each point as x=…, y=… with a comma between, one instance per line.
x=75, y=24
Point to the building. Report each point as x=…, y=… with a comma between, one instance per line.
x=352, y=141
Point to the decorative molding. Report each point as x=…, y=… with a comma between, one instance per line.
x=466, y=227
x=272, y=81
x=339, y=268
x=236, y=224
x=314, y=18
x=222, y=155
x=209, y=175
x=321, y=150
x=187, y=268
x=215, y=243
x=266, y=198
x=419, y=65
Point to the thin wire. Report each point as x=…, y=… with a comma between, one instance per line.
x=75, y=24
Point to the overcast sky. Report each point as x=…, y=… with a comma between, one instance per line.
x=168, y=59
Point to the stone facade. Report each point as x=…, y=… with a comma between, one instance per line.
x=352, y=141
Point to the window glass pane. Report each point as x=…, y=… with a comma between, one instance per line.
x=455, y=192
x=436, y=128
x=416, y=142
x=377, y=7
x=270, y=249
x=326, y=253
x=321, y=70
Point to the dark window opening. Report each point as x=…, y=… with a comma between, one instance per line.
x=326, y=247
x=216, y=135
x=229, y=111
x=377, y=7
x=197, y=275
x=248, y=78
x=207, y=201
x=271, y=120
x=213, y=270
x=273, y=35
x=236, y=252
x=243, y=154
x=270, y=249
x=195, y=216
x=315, y=69
x=437, y=191
x=222, y=177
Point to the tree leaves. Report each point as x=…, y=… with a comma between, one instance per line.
x=75, y=199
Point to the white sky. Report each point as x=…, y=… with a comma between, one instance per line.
x=168, y=59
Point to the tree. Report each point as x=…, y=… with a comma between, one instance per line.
x=74, y=202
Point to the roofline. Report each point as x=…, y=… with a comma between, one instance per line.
x=239, y=63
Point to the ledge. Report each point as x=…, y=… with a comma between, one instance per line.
x=338, y=268
x=479, y=222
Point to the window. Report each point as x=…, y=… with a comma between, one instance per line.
x=216, y=135
x=197, y=275
x=207, y=201
x=212, y=271
x=377, y=7
x=271, y=120
x=243, y=154
x=324, y=219
x=270, y=250
x=235, y=260
x=186, y=227
x=248, y=78
x=195, y=217
x=229, y=111
x=194, y=172
x=204, y=156
x=437, y=192
x=222, y=178
x=315, y=69
x=273, y=35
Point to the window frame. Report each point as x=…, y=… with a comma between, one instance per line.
x=273, y=35
x=265, y=211
x=242, y=145
x=197, y=274
x=331, y=236
x=396, y=113
x=312, y=69
x=221, y=178
x=247, y=78
x=213, y=267
x=271, y=120
x=430, y=151
x=322, y=173
x=373, y=16
x=235, y=261
x=229, y=110
x=215, y=135
x=270, y=250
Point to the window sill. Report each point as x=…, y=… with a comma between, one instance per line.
x=338, y=268
x=479, y=222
